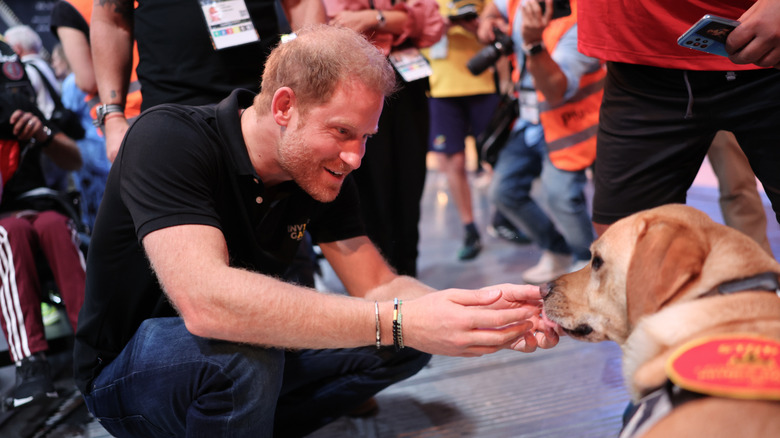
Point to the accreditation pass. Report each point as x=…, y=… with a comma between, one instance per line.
x=228, y=23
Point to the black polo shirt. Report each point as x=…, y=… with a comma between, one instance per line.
x=189, y=165
x=177, y=62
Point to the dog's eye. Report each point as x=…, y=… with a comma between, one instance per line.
x=596, y=263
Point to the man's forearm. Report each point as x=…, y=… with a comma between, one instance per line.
x=111, y=37
x=547, y=75
x=402, y=287
x=303, y=12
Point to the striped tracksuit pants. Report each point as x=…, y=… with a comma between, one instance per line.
x=23, y=239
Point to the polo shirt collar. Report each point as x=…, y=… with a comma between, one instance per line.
x=229, y=124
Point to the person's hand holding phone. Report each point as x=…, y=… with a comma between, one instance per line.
x=757, y=39
x=534, y=20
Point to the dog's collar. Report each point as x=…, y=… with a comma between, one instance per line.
x=766, y=282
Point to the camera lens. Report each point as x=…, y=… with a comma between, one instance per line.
x=490, y=53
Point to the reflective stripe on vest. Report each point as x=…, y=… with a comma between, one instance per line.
x=570, y=127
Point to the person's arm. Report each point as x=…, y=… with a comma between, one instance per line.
x=303, y=12
x=366, y=20
x=489, y=18
x=218, y=301
x=111, y=36
x=548, y=77
x=62, y=150
x=757, y=39
x=375, y=280
x=77, y=50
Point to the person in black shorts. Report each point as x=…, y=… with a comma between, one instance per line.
x=186, y=326
x=642, y=165
x=663, y=103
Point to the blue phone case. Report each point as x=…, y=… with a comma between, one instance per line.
x=708, y=35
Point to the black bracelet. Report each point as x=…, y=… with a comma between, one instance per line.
x=49, y=137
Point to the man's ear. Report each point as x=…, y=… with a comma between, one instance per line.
x=282, y=105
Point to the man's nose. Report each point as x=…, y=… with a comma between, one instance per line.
x=353, y=155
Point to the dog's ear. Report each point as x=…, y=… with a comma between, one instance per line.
x=667, y=260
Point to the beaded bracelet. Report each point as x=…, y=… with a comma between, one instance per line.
x=398, y=335
x=378, y=332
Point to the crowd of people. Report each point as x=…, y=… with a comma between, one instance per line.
x=209, y=165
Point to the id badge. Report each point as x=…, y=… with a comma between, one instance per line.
x=410, y=64
x=439, y=50
x=529, y=106
x=228, y=23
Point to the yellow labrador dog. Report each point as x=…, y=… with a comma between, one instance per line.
x=695, y=308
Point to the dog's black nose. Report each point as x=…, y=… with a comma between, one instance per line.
x=546, y=289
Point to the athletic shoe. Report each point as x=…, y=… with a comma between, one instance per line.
x=503, y=229
x=550, y=267
x=368, y=408
x=33, y=381
x=50, y=314
x=471, y=247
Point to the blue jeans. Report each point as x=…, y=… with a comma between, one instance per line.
x=569, y=231
x=169, y=383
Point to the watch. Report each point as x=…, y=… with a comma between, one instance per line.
x=49, y=137
x=380, y=19
x=103, y=110
x=533, y=49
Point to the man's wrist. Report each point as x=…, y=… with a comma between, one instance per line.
x=48, y=139
x=533, y=48
x=381, y=21
x=104, y=109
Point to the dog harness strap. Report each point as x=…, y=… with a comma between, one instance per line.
x=649, y=411
x=760, y=282
x=655, y=406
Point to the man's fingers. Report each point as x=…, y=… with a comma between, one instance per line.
x=481, y=297
x=486, y=341
x=546, y=339
x=519, y=292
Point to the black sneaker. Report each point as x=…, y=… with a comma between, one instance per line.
x=503, y=229
x=33, y=382
x=471, y=247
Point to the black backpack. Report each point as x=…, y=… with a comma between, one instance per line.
x=13, y=77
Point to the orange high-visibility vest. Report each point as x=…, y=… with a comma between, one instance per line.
x=569, y=127
x=133, y=100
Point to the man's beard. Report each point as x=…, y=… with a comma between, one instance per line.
x=295, y=158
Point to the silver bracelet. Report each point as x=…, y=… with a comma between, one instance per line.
x=378, y=332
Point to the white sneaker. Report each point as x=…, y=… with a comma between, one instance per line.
x=578, y=264
x=550, y=267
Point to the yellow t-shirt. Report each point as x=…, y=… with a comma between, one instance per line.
x=450, y=76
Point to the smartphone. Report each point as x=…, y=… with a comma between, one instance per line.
x=561, y=8
x=709, y=35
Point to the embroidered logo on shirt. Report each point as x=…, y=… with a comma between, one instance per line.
x=296, y=231
x=439, y=142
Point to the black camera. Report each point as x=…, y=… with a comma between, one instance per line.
x=561, y=8
x=488, y=56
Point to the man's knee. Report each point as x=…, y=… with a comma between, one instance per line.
x=15, y=227
x=408, y=362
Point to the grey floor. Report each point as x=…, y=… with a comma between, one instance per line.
x=572, y=390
